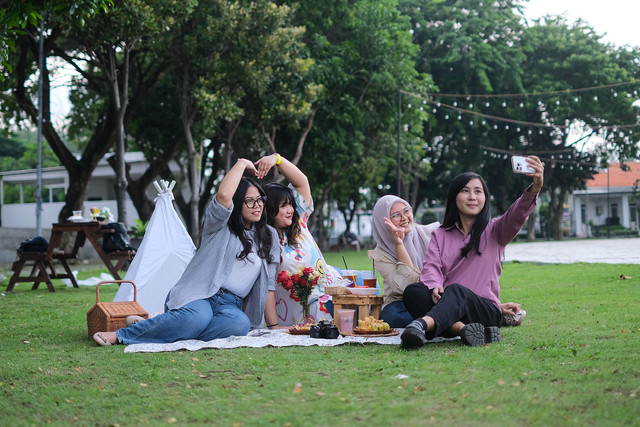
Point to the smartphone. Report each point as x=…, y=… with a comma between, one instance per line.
x=520, y=165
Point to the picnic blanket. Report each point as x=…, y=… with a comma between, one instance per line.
x=259, y=338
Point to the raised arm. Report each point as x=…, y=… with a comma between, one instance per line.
x=288, y=170
x=538, y=176
x=398, y=239
x=229, y=184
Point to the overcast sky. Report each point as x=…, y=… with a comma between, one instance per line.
x=617, y=18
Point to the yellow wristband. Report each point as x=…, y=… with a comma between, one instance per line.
x=279, y=159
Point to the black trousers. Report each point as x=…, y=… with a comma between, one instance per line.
x=457, y=303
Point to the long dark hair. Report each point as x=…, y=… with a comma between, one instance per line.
x=278, y=195
x=236, y=225
x=452, y=215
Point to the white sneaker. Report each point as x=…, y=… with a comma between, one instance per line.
x=513, y=319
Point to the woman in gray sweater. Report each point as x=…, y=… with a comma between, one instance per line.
x=225, y=288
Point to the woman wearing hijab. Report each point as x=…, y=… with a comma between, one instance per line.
x=398, y=256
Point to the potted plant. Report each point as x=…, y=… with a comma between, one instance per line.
x=136, y=232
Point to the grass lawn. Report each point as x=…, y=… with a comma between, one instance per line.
x=575, y=360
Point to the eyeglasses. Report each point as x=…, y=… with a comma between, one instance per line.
x=251, y=203
x=406, y=212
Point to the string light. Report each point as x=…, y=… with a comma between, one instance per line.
x=523, y=94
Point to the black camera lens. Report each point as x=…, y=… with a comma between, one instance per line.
x=331, y=332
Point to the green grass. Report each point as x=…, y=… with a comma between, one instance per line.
x=575, y=360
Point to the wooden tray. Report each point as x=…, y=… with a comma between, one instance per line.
x=294, y=331
x=371, y=334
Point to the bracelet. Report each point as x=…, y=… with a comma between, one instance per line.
x=271, y=326
x=279, y=159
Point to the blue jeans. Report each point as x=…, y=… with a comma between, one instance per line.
x=218, y=316
x=396, y=315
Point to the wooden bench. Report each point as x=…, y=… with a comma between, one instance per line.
x=44, y=268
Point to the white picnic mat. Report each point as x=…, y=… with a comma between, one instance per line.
x=264, y=337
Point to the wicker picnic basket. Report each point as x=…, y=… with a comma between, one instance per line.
x=111, y=316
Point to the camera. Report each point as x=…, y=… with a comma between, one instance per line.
x=324, y=329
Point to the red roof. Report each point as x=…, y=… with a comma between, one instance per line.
x=617, y=177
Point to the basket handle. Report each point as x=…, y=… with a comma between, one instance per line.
x=119, y=282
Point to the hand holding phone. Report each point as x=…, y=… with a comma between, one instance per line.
x=520, y=165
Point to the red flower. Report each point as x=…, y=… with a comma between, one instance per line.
x=299, y=284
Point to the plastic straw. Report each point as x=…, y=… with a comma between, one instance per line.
x=345, y=263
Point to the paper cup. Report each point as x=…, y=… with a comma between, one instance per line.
x=345, y=319
x=369, y=278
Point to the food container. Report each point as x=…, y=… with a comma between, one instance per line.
x=111, y=316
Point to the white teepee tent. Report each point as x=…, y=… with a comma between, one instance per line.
x=164, y=253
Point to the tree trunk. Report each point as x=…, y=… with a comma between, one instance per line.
x=557, y=209
x=531, y=232
x=120, y=102
x=79, y=171
x=195, y=154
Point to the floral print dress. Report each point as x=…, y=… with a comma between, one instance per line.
x=306, y=254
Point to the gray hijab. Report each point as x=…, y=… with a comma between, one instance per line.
x=416, y=241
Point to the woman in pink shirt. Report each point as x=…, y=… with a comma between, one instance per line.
x=459, y=290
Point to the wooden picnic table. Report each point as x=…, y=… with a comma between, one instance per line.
x=44, y=262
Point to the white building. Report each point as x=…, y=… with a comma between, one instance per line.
x=610, y=199
x=21, y=213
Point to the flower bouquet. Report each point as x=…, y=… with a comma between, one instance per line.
x=300, y=284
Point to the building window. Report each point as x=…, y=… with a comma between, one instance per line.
x=583, y=213
x=614, y=210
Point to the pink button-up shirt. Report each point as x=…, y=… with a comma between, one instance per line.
x=443, y=265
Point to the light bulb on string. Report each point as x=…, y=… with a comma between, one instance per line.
x=506, y=126
x=459, y=117
x=504, y=104
x=438, y=105
x=521, y=105
x=455, y=103
x=470, y=106
x=595, y=98
x=434, y=110
x=470, y=122
x=487, y=104
x=446, y=117
x=495, y=126
x=558, y=102
x=484, y=122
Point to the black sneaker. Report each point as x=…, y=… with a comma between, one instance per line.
x=474, y=334
x=413, y=335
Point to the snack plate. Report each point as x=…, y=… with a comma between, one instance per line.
x=76, y=219
x=298, y=331
x=391, y=331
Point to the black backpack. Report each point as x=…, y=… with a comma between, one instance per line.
x=116, y=241
x=36, y=244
